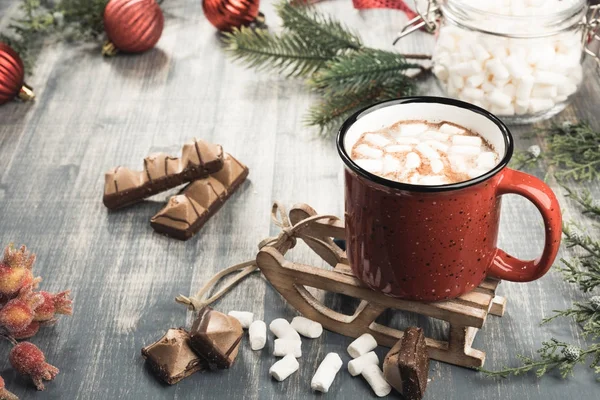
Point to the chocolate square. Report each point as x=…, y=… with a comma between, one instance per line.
x=406, y=366
x=216, y=337
x=172, y=357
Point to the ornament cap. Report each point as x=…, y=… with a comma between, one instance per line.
x=26, y=93
x=109, y=49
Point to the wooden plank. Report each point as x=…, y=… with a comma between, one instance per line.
x=498, y=306
x=282, y=274
x=92, y=113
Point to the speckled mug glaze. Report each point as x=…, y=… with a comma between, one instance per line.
x=433, y=243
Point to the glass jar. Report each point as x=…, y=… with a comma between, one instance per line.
x=519, y=59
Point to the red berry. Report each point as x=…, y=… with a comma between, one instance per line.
x=13, y=279
x=18, y=258
x=26, y=333
x=5, y=394
x=16, y=315
x=27, y=359
x=58, y=303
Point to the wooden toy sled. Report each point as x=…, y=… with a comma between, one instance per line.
x=465, y=315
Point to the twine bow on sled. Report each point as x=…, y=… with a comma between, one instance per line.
x=285, y=240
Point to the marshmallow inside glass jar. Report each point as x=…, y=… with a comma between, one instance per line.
x=519, y=59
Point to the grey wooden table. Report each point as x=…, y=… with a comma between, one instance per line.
x=93, y=113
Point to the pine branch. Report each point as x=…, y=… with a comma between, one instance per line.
x=573, y=148
x=83, y=18
x=335, y=107
x=287, y=53
x=348, y=73
x=40, y=20
x=587, y=314
x=553, y=355
x=317, y=29
x=28, y=30
x=522, y=159
x=585, y=200
x=585, y=270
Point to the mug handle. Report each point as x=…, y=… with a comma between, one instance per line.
x=511, y=268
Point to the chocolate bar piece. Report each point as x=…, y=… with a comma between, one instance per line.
x=172, y=358
x=124, y=187
x=406, y=366
x=187, y=212
x=216, y=337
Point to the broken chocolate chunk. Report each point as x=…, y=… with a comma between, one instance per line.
x=172, y=357
x=216, y=337
x=406, y=366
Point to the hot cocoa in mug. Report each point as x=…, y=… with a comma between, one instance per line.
x=424, y=177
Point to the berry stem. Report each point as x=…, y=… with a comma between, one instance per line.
x=9, y=338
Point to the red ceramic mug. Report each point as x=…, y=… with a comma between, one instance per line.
x=433, y=243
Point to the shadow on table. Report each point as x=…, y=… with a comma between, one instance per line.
x=16, y=110
x=140, y=66
x=135, y=219
x=132, y=219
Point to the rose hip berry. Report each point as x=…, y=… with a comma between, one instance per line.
x=27, y=359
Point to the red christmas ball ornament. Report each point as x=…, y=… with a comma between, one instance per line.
x=12, y=76
x=132, y=26
x=226, y=15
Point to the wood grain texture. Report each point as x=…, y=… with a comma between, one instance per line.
x=92, y=114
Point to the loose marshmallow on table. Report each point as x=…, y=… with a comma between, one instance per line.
x=283, y=330
x=284, y=367
x=363, y=344
x=244, y=317
x=326, y=372
x=283, y=347
x=307, y=327
x=374, y=376
x=356, y=366
x=258, y=335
